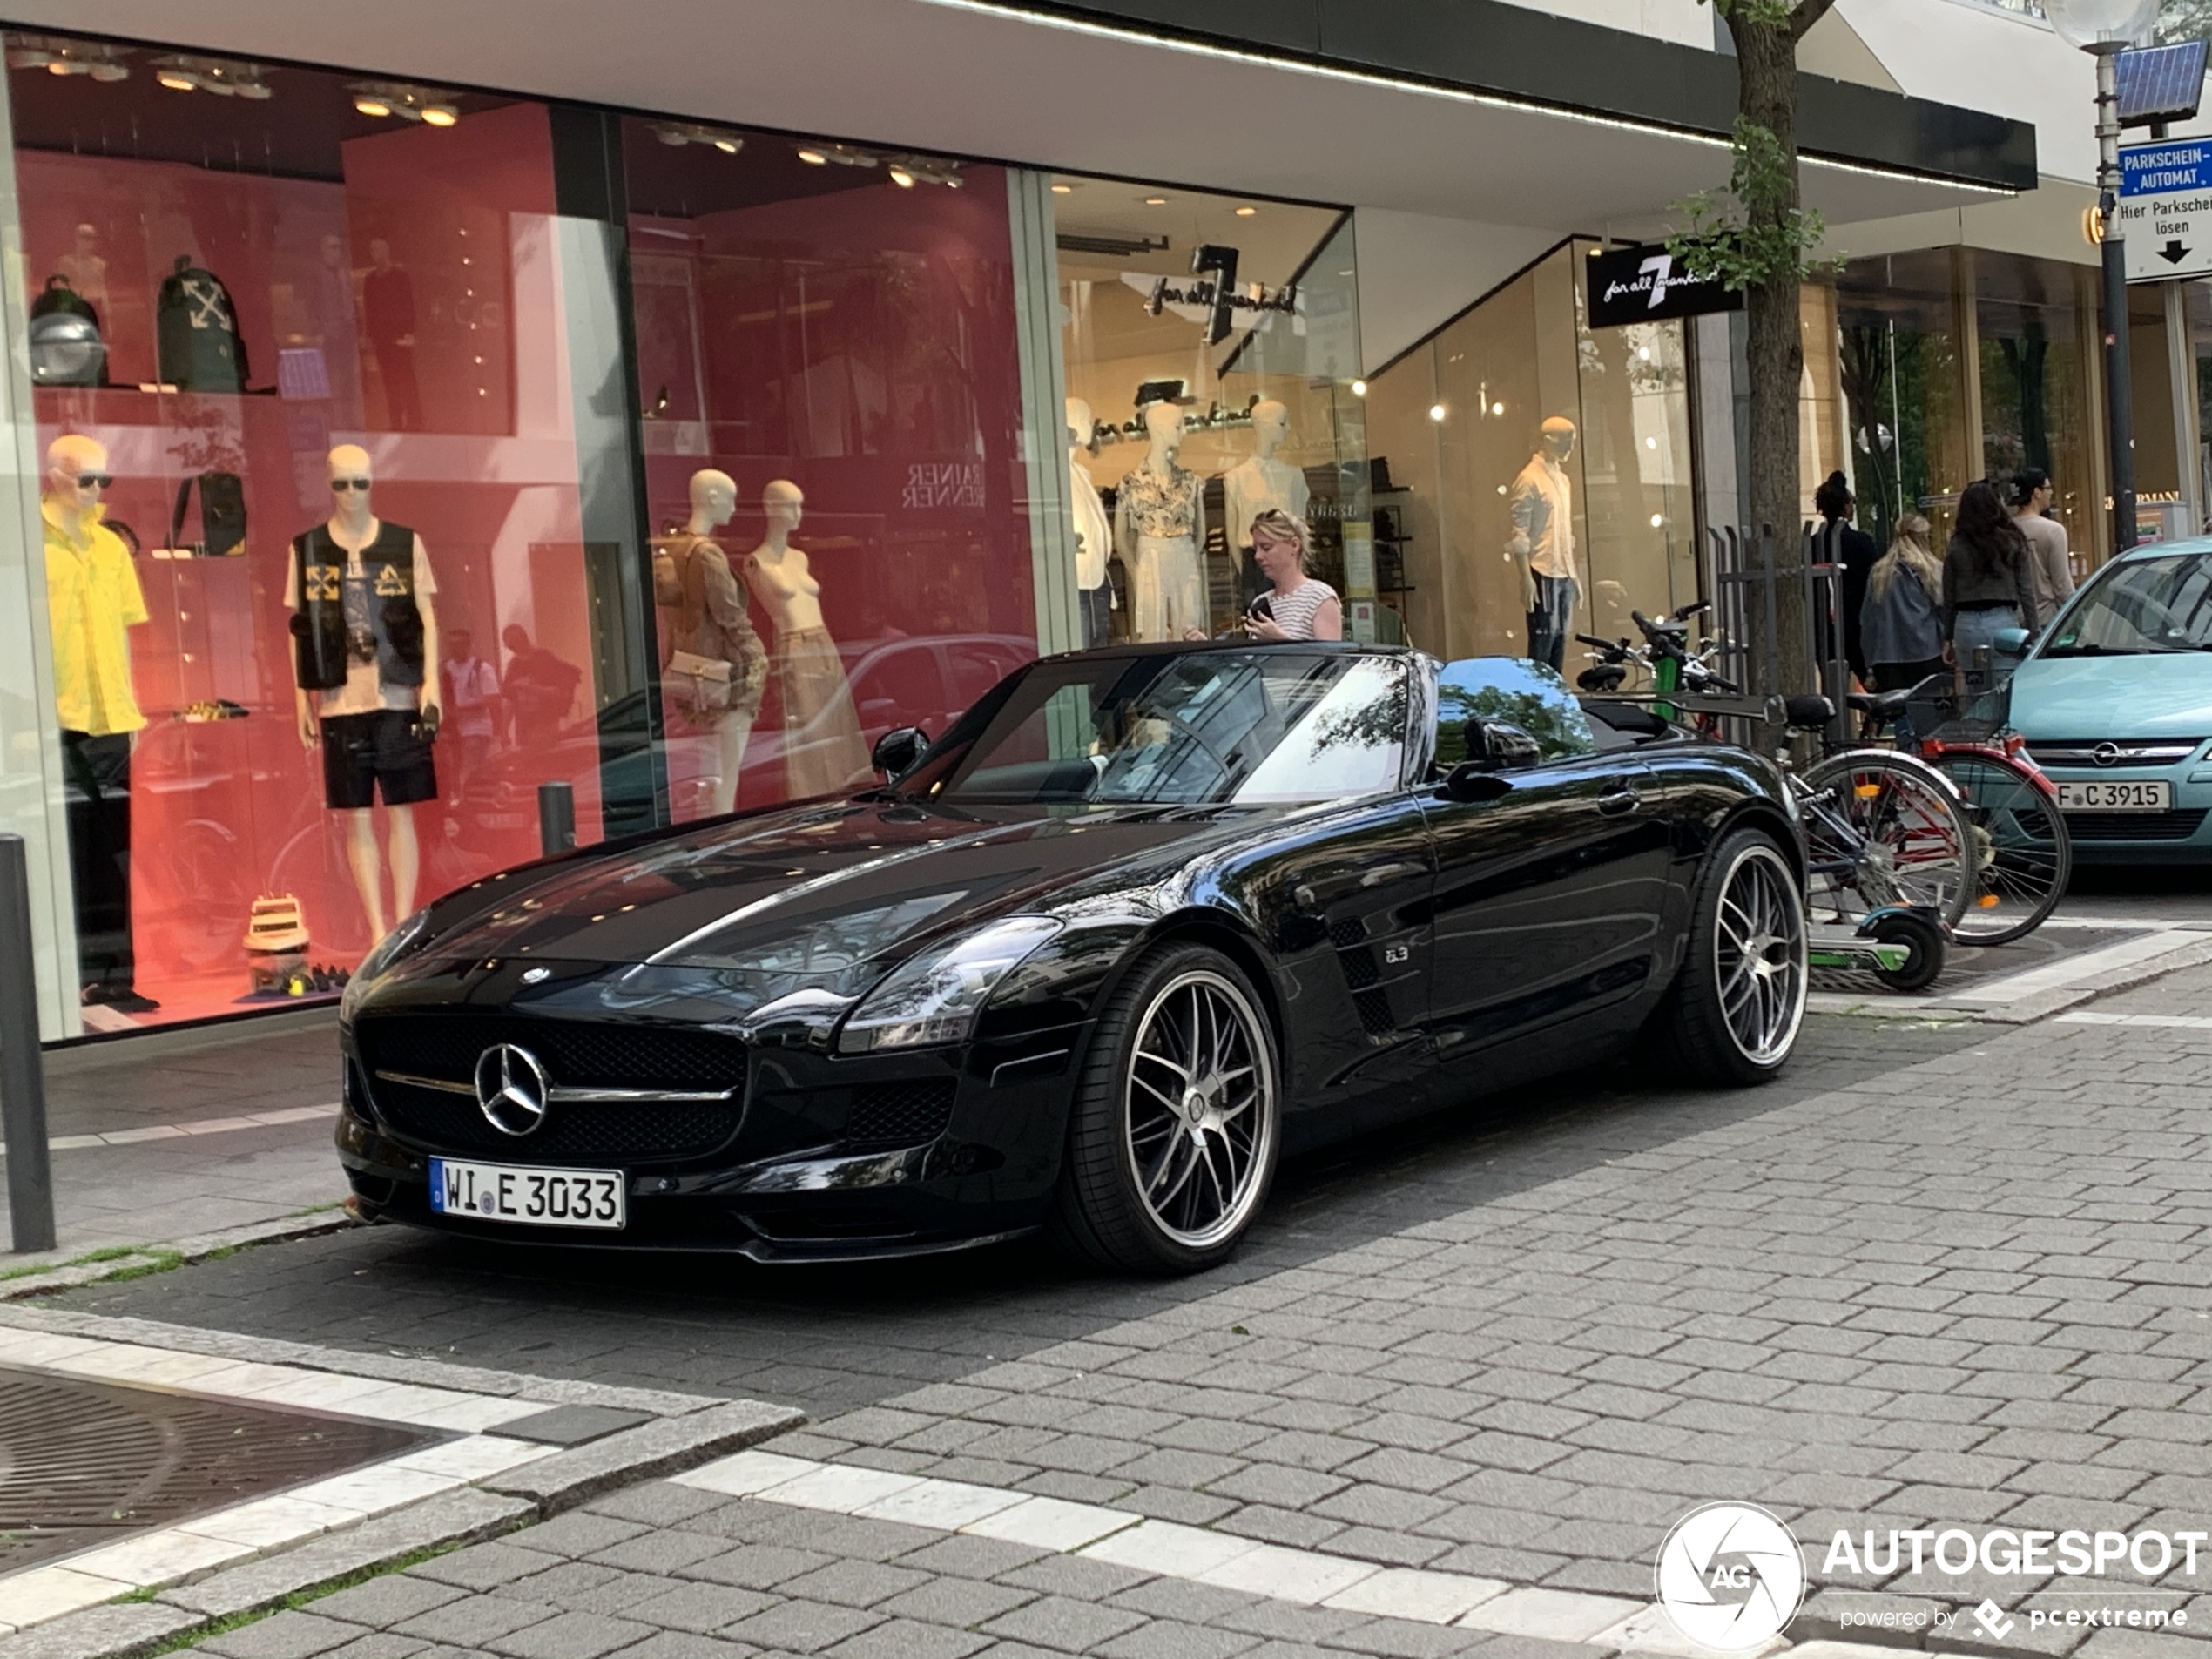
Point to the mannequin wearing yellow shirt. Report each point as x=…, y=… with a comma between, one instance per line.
x=92, y=600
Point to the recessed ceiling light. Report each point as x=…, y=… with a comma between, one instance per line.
x=1658, y=519
x=1436, y=411
x=901, y=178
x=1497, y=409
x=1360, y=389
x=1246, y=212
x=728, y=146
x=439, y=115
x=1063, y=190
x=1155, y=201
x=369, y=105
x=813, y=158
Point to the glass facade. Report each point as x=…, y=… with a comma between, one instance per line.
x=1469, y=429
x=387, y=453
x=1900, y=369
x=2034, y=322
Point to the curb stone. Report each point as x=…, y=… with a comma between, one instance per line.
x=649, y=1452
x=61, y=1276
x=114, y=1631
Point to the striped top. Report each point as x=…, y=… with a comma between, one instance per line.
x=1294, y=611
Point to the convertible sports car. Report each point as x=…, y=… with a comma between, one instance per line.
x=1139, y=921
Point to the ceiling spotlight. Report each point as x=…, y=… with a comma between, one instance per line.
x=901, y=178
x=430, y=106
x=1436, y=411
x=176, y=82
x=1497, y=409
x=1155, y=201
x=369, y=105
x=1657, y=519
x=813, y=158
x=1063, y=190
x=1246, y=212
x=58, y=55
x=677, y=134
x=186, y=73
x=843, y=155
x=729, y=147
x=909, y=170
x=439, y=115
x=1360, y=389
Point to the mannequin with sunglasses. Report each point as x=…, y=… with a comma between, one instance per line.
x=364, y=630
x=93, y=602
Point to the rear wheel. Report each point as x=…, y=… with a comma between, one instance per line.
x=1732, y=1015
x=1174, y=1128
x=1923, y=938
x=2024, y=856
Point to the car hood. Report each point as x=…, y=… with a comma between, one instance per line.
x=811, y=890
x=2165, y=695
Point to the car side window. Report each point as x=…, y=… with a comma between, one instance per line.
x=1512, y=690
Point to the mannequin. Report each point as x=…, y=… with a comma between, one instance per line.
x=1260, y=483
x=1542, y=548
x=92, y=600
x=1094, y=535
x=823, y=753
x=1160, y=516
x=360, y=592
x=711, y=621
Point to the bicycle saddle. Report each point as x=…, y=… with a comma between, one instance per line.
x=1808, y=713
x=1887, y=704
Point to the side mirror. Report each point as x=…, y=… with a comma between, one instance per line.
x=898, y=751
x=1498, y=745
x=2009, y=642
x=1470, y=783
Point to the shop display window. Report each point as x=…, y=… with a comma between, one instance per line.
x=1904, y=391
x=1530, y=457
x=2030, y=320
x=1211, y=354
x=832, y=400
x=324, y=612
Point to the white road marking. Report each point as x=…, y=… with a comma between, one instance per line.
x=197, y=1126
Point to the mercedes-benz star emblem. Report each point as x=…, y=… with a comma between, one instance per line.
x=511, y=1088
x=2105, y=754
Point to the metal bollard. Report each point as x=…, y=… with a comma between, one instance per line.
x=23, y=1071
x=555, y=818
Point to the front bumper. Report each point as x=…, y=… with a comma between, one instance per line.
x=790, y=1184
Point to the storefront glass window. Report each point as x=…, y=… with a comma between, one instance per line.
x=2035, y=384
x=1211, y=344
x=832, y=409
x=1902, y=396
x=1517, y=435
x=322, y=470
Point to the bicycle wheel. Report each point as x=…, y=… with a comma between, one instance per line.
x=2025, y=853
x=1885, y=829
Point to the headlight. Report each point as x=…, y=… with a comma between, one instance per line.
x=380, y=956
x=935, y=997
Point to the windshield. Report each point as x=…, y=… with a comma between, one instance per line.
x=1210, y=728
x=2141, y=605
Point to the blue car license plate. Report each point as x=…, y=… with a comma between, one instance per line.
x=528, y=1197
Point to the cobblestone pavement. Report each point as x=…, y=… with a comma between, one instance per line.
x=1938, y=1278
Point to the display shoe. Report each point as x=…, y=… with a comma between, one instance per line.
x=121, y=998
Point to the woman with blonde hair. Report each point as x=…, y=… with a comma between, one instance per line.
x=1296, y=605
x=1901, y=622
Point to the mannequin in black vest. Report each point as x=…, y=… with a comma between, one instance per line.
x=360, y=592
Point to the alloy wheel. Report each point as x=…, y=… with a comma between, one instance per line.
x=1199, y=1107
x=1759, y=956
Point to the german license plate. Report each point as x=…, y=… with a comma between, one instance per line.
x=530, y=1198
x=2117, y=796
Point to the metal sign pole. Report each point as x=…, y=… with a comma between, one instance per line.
x=23, y=1075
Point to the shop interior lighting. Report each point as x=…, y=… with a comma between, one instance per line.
x=1155, y=201
x=94, y=58
x=676, y=134
x=430, y=106
x=841, y=155
x=901, y=178
x=222, y=76
x=1246, y=212
x=909, y=170
x=1437, y=412
x=1063, y=190
x=1360, y=389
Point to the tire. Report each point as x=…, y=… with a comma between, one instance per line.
x=1927, y=962
x=2024, y=855
x=1908, y=839
x=1130, y=1198
x=1726, y=1020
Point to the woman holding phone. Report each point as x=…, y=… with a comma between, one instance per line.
x=1296, y=605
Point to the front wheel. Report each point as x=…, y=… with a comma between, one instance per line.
x=1732, y=1017
x=2024, y=855
x=1885, y=830
x=1174, y=1127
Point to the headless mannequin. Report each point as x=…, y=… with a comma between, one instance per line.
x=823, y=753
x=352, y=526
x=1161, y=517
x=1094, y=533
x=1542, y=548
x=1260, y=483
x=714, y=499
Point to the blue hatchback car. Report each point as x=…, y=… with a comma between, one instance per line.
x=2115, y=702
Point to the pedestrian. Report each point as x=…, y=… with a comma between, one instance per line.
x=1902, y=620
x=540, y=688
x=1296, y=605
x=1987, y=584
x=1843, y=543
x=2052, y=567
x=473, y=695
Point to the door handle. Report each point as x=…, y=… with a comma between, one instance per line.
x=1622, y=797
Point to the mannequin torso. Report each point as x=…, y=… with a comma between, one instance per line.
x=779, y=577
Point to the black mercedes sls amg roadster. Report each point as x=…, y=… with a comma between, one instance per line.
x=1141, y=921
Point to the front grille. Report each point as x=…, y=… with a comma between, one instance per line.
x=574, y=1053
x=885, y=1116
x=583, y=1132
x=2132, y=751
x=2176, y=826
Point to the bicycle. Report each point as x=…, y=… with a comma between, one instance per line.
x=2024, y=853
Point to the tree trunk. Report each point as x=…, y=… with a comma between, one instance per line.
x=1766, y=59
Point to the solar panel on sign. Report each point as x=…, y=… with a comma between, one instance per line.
x=2160, y=82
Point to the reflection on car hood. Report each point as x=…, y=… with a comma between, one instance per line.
x=811, y=890
x=2167, y=694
